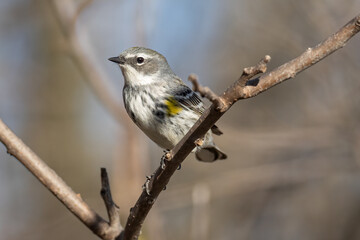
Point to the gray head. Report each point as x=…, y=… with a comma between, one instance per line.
x=141, y=66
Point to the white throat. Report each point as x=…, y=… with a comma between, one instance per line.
x=135, y=78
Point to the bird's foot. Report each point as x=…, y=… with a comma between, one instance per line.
x=199, y=142
x=165, y=158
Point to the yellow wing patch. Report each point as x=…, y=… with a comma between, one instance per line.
x=172, y=107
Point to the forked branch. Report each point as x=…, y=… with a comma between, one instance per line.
x=61, y=190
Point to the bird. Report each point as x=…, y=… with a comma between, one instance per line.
x=160, y=103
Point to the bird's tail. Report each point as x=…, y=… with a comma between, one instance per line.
x=209, y=154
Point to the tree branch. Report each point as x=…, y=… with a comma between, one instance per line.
x=204, y=91
x=241, y=89
x=60, y=189
x=244, y=87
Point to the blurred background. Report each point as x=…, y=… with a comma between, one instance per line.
x=294, y=151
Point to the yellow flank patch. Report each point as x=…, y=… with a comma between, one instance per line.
x=173, y=107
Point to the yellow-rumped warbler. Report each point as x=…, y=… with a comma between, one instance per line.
x=160, y=104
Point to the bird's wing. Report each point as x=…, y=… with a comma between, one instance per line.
x=187, y=98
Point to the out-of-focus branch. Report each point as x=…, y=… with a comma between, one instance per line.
x=61, y=190
x=241, y=89
x=78, y=11
x=66, y=15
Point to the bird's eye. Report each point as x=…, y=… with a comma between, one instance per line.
x=140, y=60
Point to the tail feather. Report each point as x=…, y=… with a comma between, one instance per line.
x=209, y=154
x=215, y=130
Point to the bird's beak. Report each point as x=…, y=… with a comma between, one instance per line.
x=117, y=60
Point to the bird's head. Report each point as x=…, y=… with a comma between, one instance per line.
x=141, y=66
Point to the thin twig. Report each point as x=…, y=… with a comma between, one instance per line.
x=238, y=91
x=203, y=91
x=113, y=210
x=244, y=79
x=251, y=72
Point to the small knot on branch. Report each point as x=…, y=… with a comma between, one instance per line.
x=206, y=92
x=258, y=68
x=263, y=63
x=237, y=90
x=357, y=23
x=252, y=71
x=148, y=185
x=267, y=58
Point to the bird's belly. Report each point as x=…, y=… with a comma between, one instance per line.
x=168, y=131
x=164, y=129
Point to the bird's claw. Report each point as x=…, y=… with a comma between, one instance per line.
x=166, y=157
x=199, y=142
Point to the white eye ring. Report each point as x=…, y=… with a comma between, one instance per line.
x=140, y=60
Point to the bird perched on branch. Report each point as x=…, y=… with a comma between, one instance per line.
x=160, y=104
